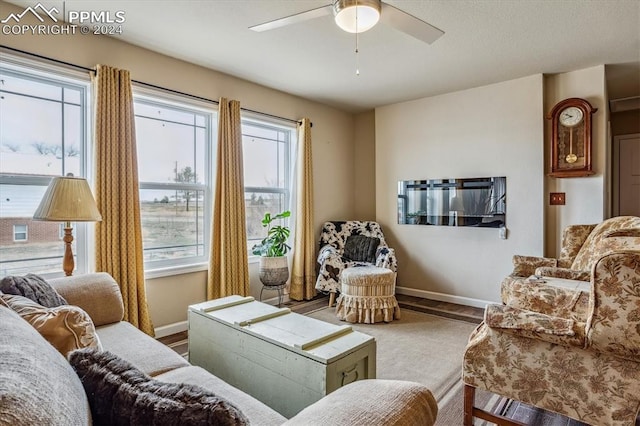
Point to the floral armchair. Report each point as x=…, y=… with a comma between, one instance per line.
x=580, y=249
x=582, y=363
x=333, y=259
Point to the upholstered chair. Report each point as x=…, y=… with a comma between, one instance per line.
x=578, y=253
x=583, y=363
x=344, y=244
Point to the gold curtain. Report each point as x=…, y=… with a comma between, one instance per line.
x=228, y=265
x=303, y=275
x=119, y=235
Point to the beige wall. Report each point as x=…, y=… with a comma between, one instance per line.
x=493, y=130
x=586, y=197
x=332, y=134
x=364, y=166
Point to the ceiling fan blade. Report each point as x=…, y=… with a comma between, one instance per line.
x=294, y=19
x=409, y=24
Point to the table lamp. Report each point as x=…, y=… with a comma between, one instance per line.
x=68, y=199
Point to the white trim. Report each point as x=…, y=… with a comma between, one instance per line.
x=442, y=297
x=274, y=300
x=175, y=270
x=169, y=329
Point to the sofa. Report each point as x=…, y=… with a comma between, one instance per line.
x=39, y=386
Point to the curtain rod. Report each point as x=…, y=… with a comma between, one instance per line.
x=176, y=92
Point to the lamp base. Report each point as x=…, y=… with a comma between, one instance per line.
x=68, y=264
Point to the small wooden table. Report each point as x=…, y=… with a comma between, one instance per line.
x=286, y=360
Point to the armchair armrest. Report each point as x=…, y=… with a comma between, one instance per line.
x=326, y=252
x=614, y=327
x=524, y=266
x=545, y=297
x=565, y=273
x=372, y=402
x=534, y=325
x=98, y=294
x=386, y=258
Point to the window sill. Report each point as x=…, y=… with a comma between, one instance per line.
x=175, y=270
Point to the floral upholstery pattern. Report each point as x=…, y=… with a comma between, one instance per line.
x=586, y=368
x=546, y=299
x=332, y=240
x=582, y=245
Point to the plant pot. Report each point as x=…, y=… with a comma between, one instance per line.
x=274, y=271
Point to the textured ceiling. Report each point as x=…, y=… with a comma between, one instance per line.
x=484, y=42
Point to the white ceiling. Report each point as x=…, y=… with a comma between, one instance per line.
x=485, y=41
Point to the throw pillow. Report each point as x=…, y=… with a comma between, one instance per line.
x=66, y=327
x=361, y=248
x=33, y=287
x=120, y=394
x=37, y=384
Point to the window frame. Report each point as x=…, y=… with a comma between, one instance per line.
x=62, y=77
x=158, y=98
x=259, y=120
x=25, y=232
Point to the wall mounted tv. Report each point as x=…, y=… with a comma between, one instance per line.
x=479, y=202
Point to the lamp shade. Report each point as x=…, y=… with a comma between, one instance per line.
x=68, y=199
x=356, y=16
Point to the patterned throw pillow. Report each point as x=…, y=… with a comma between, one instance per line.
x=66, y=327
x=120, y=394
x=361, y=248
x=33, y=287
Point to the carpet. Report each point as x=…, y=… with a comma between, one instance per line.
x=419, y=347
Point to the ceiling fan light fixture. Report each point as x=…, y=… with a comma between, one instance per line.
x=366, y=11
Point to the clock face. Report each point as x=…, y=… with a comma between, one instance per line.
x=571, y=116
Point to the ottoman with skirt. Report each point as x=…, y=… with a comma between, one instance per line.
x=367, y=295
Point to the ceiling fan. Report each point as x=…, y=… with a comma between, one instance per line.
x=357, y=16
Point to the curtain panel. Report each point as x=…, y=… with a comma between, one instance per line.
x=228, y=264
x=303, y=275
x=119, y=235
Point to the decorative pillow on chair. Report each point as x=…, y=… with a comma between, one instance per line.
x=361, y=248
x=120, y=394
x=66, y=327
x=32, y=287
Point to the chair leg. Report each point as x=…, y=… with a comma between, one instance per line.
x=469, y=396
x=470, y=411
x=332, y=298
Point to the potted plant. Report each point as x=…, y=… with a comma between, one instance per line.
x=274, y=268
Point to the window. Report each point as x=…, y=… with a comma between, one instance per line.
x=267, y=167
x=19, y=232
x=43, y=133
x=174, y=145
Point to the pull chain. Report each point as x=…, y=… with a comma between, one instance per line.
x=357, y=57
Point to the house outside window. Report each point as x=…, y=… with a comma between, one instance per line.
x=43, y=133
x=267, y=151
x=20, y=233
x=174, y=140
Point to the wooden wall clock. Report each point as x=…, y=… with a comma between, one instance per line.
x=571, y=138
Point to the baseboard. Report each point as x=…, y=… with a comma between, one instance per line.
x=442, y=297
x=169, y=329
x=274, y=300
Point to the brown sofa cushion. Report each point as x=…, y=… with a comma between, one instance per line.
x=120, y=394
x=66, y=327
x=33, y=287
x=37, y=385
